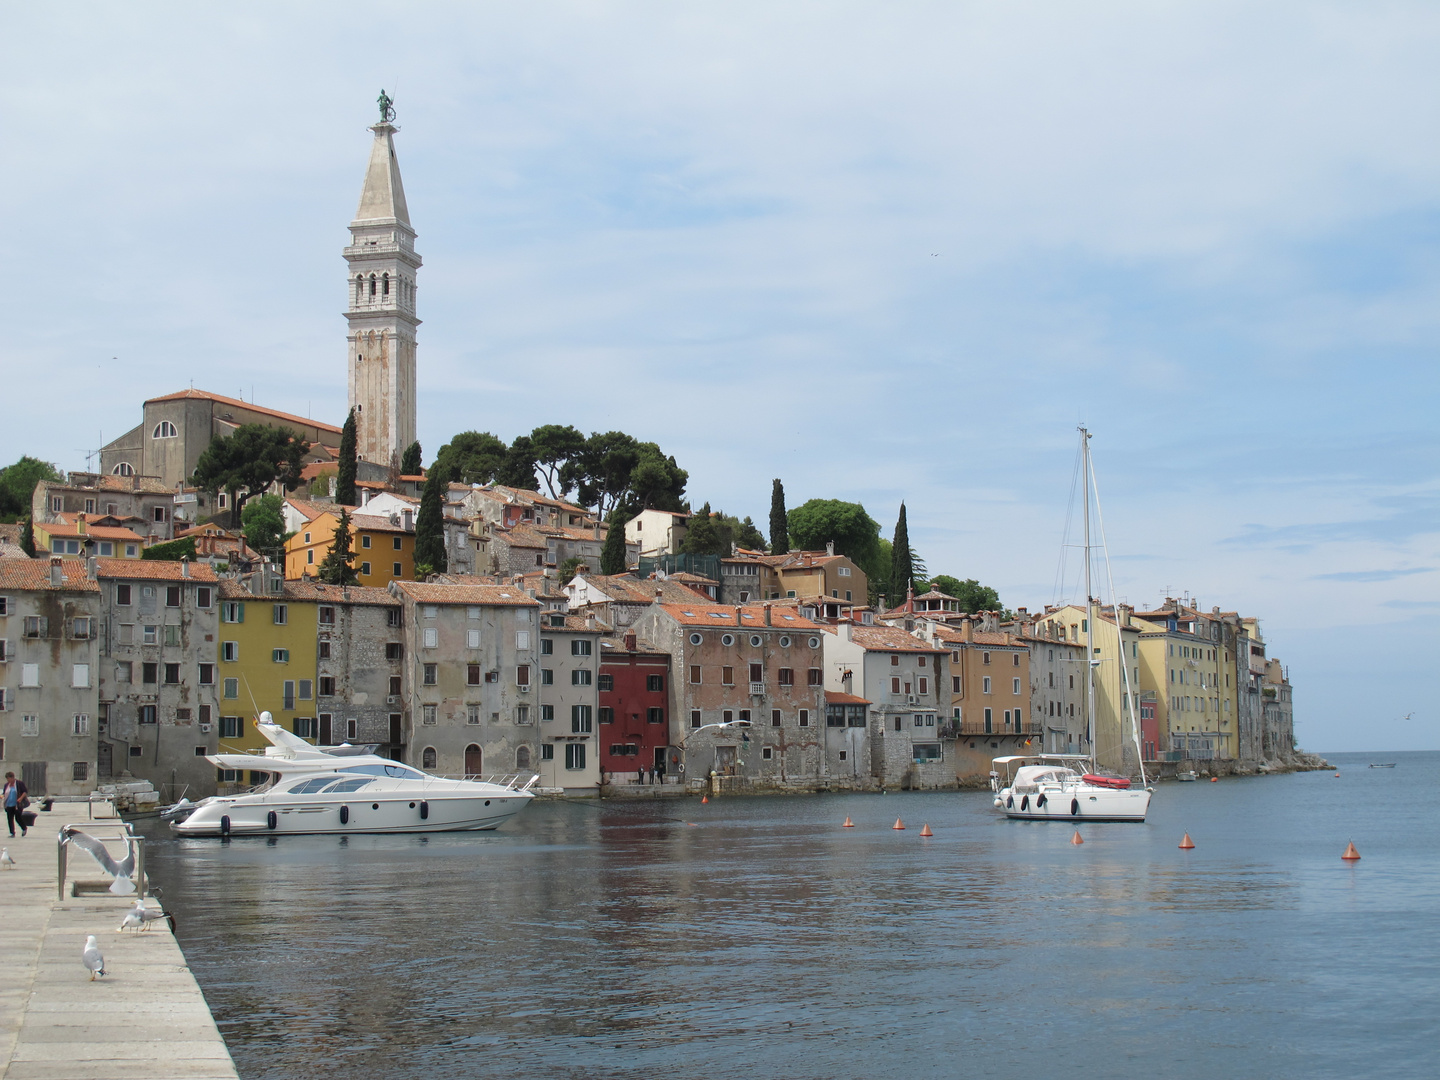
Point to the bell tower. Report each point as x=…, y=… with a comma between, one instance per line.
x=382, y=264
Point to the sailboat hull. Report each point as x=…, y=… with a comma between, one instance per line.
x=1075, y=804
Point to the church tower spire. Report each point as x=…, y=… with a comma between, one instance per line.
x=382, y=264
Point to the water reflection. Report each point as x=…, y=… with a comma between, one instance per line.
x=756, y=937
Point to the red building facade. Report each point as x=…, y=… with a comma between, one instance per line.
x=634, y=721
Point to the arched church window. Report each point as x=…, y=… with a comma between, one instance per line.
x=123, y=469
x=372, y=284
x=164, y=430
x=427, y=758
x=359, y=287
x=384, y=284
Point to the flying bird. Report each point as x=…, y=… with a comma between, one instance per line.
x=122, y=871
x=91, y=958
x=141, y=917
x=5, y=860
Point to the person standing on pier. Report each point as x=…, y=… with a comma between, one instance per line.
x=17, y=798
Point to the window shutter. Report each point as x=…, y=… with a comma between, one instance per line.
x=240, y=617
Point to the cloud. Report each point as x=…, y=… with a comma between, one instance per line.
x=1373, y=575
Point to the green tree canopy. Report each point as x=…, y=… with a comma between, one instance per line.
x=27, y=538
x=345, y=493
x=430, y=524
x=612, y=555
x=703, y=537
x=855, y=533
x=410, y=461
x=614, y=470
x=779, y=522
x=553, y=445
x=902, y=571
x=248, y=461
x=518, y=468
x=264, y=521
x=336, y=568
x=17, y=485
x=472, y=457
x=171, y=550
x=973, y=596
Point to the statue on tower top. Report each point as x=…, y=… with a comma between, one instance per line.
x=387, y=107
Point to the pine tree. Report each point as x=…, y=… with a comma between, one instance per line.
x=430, y=524
x=779, y=522
x=702, y=537
x=345, y=481
x=410, y=461
x=612, y=555
x=902, y=566
x=27, y=538
x=335, y=568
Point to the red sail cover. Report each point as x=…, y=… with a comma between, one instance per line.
x=1118, y=782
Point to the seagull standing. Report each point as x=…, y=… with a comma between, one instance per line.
x=140, y=916
x=5, y=860
x=91, y=958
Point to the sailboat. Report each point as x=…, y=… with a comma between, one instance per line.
x=1070, y=787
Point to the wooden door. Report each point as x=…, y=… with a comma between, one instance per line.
x=474, y=760
x=104, y=760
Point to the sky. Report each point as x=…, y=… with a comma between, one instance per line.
x=883, y=252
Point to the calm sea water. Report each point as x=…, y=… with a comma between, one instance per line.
x=757, y=938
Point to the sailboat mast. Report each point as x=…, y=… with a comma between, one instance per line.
x=1089, y=604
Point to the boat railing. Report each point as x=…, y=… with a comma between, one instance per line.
x=514, y=781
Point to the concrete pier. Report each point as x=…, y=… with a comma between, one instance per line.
x=146, y=1019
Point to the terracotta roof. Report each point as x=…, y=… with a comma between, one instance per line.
x=686, y=577
x=310, y=589
x=205, y=395
x=752, y=616
x=834, y=697
x=310, y=511
x=11, y=532
x=494, y=595
x=888, y=639
x=34, y=574
x=99, y=532
x=147, y=485
x=376, y=523
x=936, y=594
x=642, y=647
x=574, y=623
x=625, y=589
x=952, y=638
x=418, y=476
x=521, y=536
x=156, y=570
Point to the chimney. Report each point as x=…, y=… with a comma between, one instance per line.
x=57, y=572
x=967, y=630
x=184, y=565
x=829, y=547
x=739, y=616
x=630, y=641
x=92, y=567
x=407, y=520
x=767, y=616
x=80, y=523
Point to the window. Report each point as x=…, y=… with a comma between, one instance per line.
x=696, y=639
x=430, y=637
x=580, y=719
x=580, y=677
x=395, y=617
x=147, y=716
x=323, y=649
x=1015, y=686
x=279, y=656
x=172, y=674
x=172, y=635
x=472, y=639
x=394, y=650
x=924, y=685
x=984, y=657
x=989, y=721
x=30, y=727
x=288, y=694
x=574, y=755
x=522, y=675
x=365, y=569
x=923, y=752
x=654, y=683
x=765, y=753
x=327, y=615
x=655, y=716
x=816, y=677
x=472, y=714
x=394, y=685
x=522, y=639
x=172, y=596
x=606, y=715
x=231, y=727
x=80, y=724
x=80, y=675
x=149, y=673
x=607, y=682
x=895, y=685
x=694, y=718
x=547, y=646
x=304, y=727
x=757, y=673
x=1017, y=719
x=398, y=547
x=429, y=714
x=397, y=570
x=547, y=752
x=306, y=686
x=522, y=714
x=164, y=430
x=547, y=712
x=472, y=674
x=124, y=671
x=81, y=629
x=985, y=685
x=955, y=684
x=804, y=717
x=232, y=611
x=232, y=689
x=1015, y=659
x=365, y=543
x=36, y=626
x=580, y=647
x=774, y=717
x=431, y=674
x=427, y=758
x=230, y=651
x=787, y=676
x=894, y=660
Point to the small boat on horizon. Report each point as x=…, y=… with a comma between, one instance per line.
x=344, y=789
x=1382, y=765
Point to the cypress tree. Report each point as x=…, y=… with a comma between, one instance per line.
x=336, y=568
x=345, y=481
x=779, y=522
x=430, y=525
x=902, y=567
x=410, y=460
x=612, y=555
x=27, y=538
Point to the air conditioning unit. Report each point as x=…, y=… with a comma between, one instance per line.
x=912, y=699
x=523, y=689
x=392, y=699
x=205, y=727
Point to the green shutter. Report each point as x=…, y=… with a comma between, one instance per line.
x=241, y=616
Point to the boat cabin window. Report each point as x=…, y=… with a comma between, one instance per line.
x=403, y=772
x=310, y=785
x=354, y=783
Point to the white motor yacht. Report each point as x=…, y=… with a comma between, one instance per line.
x=1051, y=787
x=346, y=789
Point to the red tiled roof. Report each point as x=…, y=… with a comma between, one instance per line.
x=834, y=697
x=156, y=570
x=624, y=589
x=34, y=574
x=99, y=532
x=888, y=639
x=642, y=647
x=752, y=616
x=493, y=595
x=205, y=395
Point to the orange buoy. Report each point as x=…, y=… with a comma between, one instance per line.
x=1351, y=855
x=1337, y=776
x=926, y=830
x=1187, y=843
x=1214, y=779
x=704, y=798
x=848, y=823
x=1077, y=838
x=898, y=824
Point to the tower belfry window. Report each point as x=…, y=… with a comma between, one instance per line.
x=385, y=285
x=372, y=284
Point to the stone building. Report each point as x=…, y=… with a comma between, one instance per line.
x=49, y=658
x=1057, y=685
x=568, y=699
x=633, y=723
x=621, y=599
x=359, y=675
x=989, y=693
x=760, y=665
x=158, y=673
x=140, y=503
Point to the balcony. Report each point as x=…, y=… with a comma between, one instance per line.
x=757, y=689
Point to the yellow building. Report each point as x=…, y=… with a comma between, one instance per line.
x=81, y=534
x=1116, y=717
x=1188, y=660
x=267, y=661
x=384, y=548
